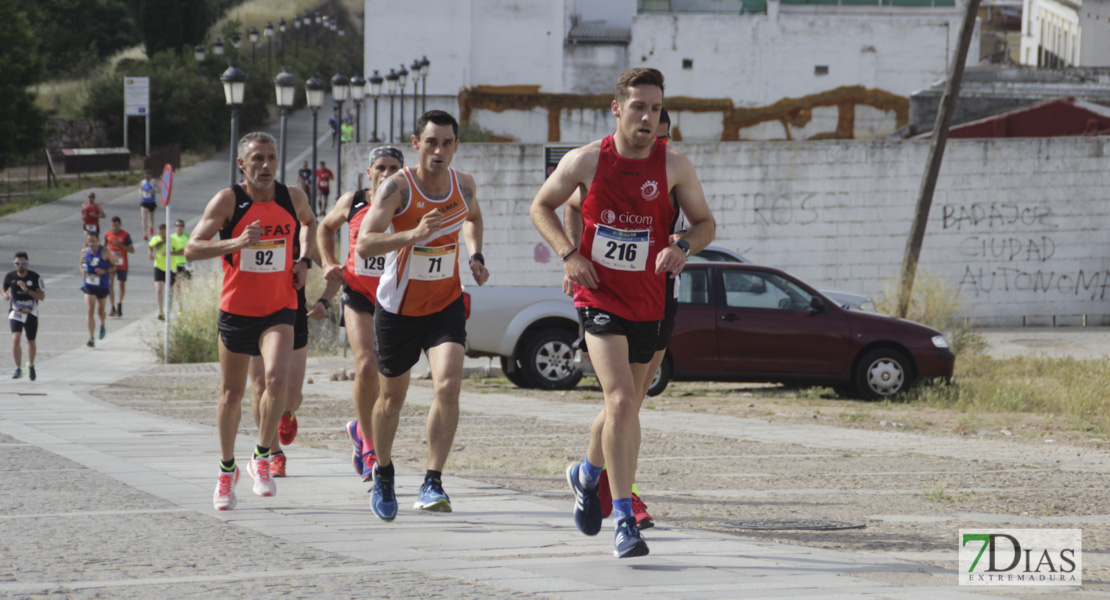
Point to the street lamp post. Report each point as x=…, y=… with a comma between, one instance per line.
x=235, y=85
x=252, y=35
x=326, y=28
x=415, y=81
x=218, y=47
x=424, y=77
x=376, y=91
x=269, y=33
x=391, y=84
x=340, y=89
x=358, y=90
x=285, y=86
x=198, y=53
x=402, y=75
x=314, y=98
x=236, y=41
x=319, y=20
x=281, y=42
x=296, y=36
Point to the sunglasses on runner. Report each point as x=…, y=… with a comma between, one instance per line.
x=19, y=262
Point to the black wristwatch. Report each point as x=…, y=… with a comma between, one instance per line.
x=306, y=260
x=684, y=246
x=477, y=256
x=325, y=302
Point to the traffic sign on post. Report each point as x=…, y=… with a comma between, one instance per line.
x=167, y=184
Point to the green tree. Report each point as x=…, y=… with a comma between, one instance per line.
x=22, y=124
x=174, y=25
x=74, y=35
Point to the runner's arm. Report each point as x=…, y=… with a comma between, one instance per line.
x=691, y=201
x=308, y=234
x=473, y=228
x=572, y=227
x=325, y=239
x=391, y=195
x=219, y=211
x=571, y=175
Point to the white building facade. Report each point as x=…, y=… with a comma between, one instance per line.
x=1065, y=33
x=794, y=57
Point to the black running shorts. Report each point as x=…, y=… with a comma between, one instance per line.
x=30, y=328
x=240, y=334
x=398, y=339
x=642, y=335
x=356, y=300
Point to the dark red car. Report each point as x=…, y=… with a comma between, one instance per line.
x=742, y=322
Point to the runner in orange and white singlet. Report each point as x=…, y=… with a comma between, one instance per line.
x=359, y=277
x=119, y=246
x=627, y=180
x=256, y=221
x=415, y=219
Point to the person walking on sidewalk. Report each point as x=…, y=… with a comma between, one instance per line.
x=256, y=222
x=23, y=289
x=156, y=249
x=96, y=268
x=91, y=214
x=360, y=277
x=619, y=271
x=148, y=193
x=119, y=246
x=415, y=220
x=179, y=239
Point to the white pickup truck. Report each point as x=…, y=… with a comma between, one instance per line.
x=531, y=329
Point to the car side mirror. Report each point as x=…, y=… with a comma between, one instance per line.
x=816, y=305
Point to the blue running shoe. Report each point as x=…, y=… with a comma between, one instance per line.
x=432, y=498
x=587, y=505
x=628, y=542
x=356, y=441
x=382, y=499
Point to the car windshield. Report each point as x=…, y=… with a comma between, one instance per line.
x=754, y=289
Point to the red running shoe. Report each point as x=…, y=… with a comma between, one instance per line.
x=605, y=494
x=639, y=510
x=287, y=428
x=277, y=467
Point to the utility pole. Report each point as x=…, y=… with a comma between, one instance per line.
x=936, y=156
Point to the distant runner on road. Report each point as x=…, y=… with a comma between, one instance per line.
x=23, y=289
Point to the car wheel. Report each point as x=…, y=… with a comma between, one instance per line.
x=662, y=378
x=546, y=360
x=882, y=373
x=512, y=372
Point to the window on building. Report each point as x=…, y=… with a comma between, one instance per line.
x=821, y=70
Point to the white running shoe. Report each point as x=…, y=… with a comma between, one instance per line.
x=260, y=470
x=224, y=498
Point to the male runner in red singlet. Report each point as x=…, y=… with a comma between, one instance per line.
x=415, y=220
x=359, y=277
x=620, y=271
x=572, y=226
x=256, y=221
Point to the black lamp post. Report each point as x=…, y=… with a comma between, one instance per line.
x=319, y=21
x=252, y=35
x=358, y=90
x=415, y=82
x=424, y=62
x=218, y=47
x=281, y=42
x=402, y=75
x=376, y=91
x=198, y=53
x=235, y=85
x=285, y=86
x=340, y=89
x=391, y=84
x=269, y=33
x=314, y=98
x=236, y=41
x=326, y=28
x=296, y=36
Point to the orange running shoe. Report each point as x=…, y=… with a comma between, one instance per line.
x=277, y=467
